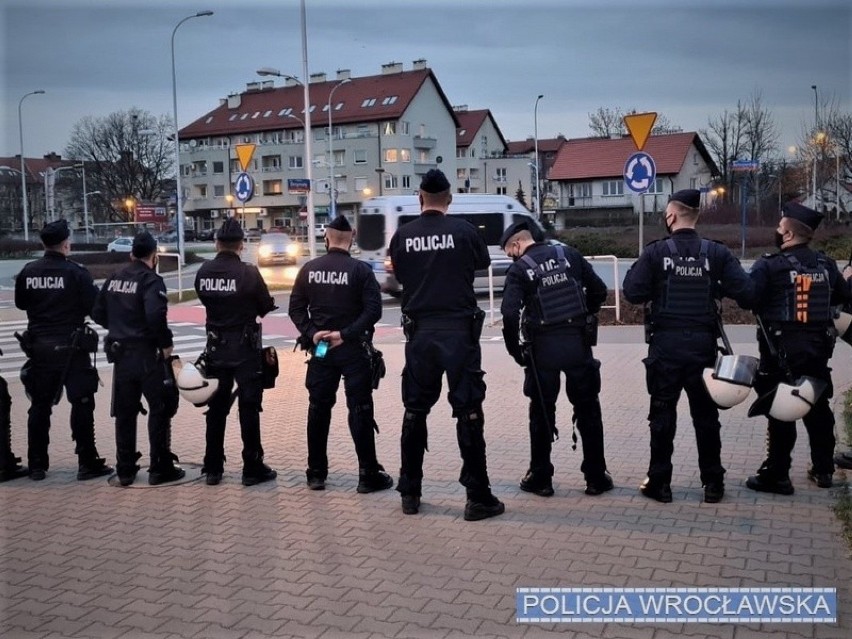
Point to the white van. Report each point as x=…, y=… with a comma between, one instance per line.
x=380, y=217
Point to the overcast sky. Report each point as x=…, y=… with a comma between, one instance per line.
x=687, y=59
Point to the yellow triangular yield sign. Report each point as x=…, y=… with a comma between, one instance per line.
x=639, y=126
x=244, y=153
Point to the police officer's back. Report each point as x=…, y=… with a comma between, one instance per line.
x=235, y=295
x=795, y=290
x=57, y=295
x=133, y=306
x=435, y=258
x=558, y=293
x=681, y=277
x=336, y=303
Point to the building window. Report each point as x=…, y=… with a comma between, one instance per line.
x=360, y=156
x=389, y=100
x=272, y=187
x=657, y=187
x=693, y=183
x=285, y=112
x=501, y=190
x=406, y=181
x=296, y=162
x=474, y=174
x=461, y=174
x=368, y=102
x=360, y=183
x=461, y=152
x=339, y=158
x=363, y=131
x=613, y=187
x=390, y=155
x=404, y=155
x=218, y=167
x=404, y=128
x=389, y=128
x=391, y=181
x=218, y=190
x=500, y=175
x=423, y=157
x=201, y=189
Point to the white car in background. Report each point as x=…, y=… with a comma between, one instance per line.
x=120, y=245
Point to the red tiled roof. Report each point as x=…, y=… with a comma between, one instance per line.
x=590, y=158
x=547, y=145
x=256, y=104
x=470, y=122
x=35, y=167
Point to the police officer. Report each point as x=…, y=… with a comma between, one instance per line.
x=682, y=276
x=794, y=291
x=336, y=300
x=10, y=465
x=435, y=258
x=235, y=295
x=133, y=306
x=57, y=295
x=557, y=293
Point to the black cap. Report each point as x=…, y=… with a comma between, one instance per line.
x=803, y=214
x=55, y=232
x=513, y=229
x=687, y=197
x=144, y=244
x=340, y=223
x=434, y=182
x=230, y=231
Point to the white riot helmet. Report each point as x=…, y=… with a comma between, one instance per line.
x=730, y=381
x=194, y=386
x=789, y=402
x=843, y=324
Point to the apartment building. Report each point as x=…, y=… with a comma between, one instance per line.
x=387, y=130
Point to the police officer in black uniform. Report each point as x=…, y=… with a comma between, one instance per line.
x=336, y=300
x=57, y=295
x=235, y=295
x=794, y=291
x=551, y=296
x=435, y=258
x=682, y=276
x=10, y=465
x=133, y=306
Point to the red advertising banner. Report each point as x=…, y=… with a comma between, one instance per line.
x=147, y=213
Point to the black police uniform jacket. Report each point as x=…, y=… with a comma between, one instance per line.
x=520, y=292
x=133, y=305
x=336, y=292
x=718, y=275
x=57, y=295
x=783, y=299
x=435, y=258
x=233, y=292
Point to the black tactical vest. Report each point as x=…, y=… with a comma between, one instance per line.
x=688, y=286
x=806, y=296
x=560, y=297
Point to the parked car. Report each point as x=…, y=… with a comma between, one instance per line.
x=319, y=231
x=277, y=248
x=253, y=234
x=205, y=235
x=189, y=235
x=169, y=237
x=120, y=245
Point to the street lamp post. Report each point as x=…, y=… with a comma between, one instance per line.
x=178, y=189
x=23, y=168
x=816, y=138
x=331, y=189
x=312, y=241
x=536, y=203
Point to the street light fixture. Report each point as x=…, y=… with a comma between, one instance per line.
x=331, y=189
x=309, y=164
x=535, y=133
x=178, y=189
x=23, y=168
x=816, y=135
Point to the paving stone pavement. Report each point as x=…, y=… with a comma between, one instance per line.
x=87, y=560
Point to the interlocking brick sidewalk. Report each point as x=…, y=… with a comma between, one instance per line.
x=84, y=559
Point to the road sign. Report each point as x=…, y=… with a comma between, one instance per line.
x=244, y=187
x=639, y=125
x=745, y=165
x=244, y=153
x=298, y=186
x=640, y=172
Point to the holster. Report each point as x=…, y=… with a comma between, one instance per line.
x=407, y=326
x=269, y=366
x=377, y=363
x=113, y=349
x=25, y=339
x=477, y=322
x=649, y=325
x=86, y=339
x=590, y=331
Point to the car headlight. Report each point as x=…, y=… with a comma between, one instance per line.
x=265, y=251
x=293, y=250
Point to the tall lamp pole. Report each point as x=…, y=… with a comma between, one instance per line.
x=816, y=139
x=23, y=168
x=331, y=189
x=178, y=189
x=536, y=203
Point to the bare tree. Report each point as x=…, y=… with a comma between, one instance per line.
x=607, y=123
x=725, y=138
x=128, y=154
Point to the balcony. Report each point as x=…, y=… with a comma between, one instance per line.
x=420, y=142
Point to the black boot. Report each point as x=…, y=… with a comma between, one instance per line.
x=371, y=481
x=164, y=470
x=10, y=466
x=256, y=472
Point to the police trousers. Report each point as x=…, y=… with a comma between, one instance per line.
x=557, y=353
x=807, y=353
x=676, y=361
x=42, y=377
x=429, y=354
x=140, y=372
x=350, y=361
x=249, y=396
